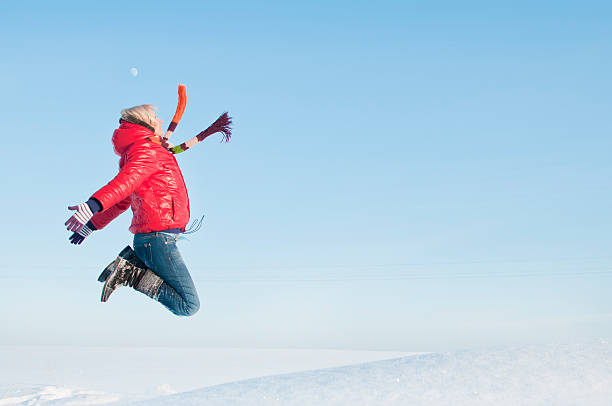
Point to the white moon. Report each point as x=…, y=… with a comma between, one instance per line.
x=134, y=72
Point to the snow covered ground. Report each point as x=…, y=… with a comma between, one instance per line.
x=543, y=375
x=101, y=375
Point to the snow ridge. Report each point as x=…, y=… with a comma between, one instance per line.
x=53, y=395
x=551, y=375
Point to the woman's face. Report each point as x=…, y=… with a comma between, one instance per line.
x=157, y=124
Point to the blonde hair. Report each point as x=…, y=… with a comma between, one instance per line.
x=144, y=113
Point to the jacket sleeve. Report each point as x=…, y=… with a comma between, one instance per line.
x=140, y=164
x=102, y=218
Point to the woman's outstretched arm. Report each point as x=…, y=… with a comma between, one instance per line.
x=102, y=218
x=140, y=165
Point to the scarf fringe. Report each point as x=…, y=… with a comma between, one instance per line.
x=222, y=125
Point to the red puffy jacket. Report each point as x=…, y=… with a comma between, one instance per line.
x=149, y=181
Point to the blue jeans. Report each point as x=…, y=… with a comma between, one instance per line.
x=159, y=252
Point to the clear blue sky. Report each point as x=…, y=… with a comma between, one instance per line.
x=403, y=175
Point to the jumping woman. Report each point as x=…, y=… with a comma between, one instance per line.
x=151, y=183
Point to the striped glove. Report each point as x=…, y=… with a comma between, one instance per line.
x=78, y=237
x=84, y=212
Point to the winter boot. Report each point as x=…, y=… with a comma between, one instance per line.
x=129, y=270
x=110, y=267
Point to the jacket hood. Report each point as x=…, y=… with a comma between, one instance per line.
x=127, y=134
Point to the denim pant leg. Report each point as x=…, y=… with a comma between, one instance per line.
x=160, y=253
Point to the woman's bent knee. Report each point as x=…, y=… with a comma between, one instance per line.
x=192, y=309
x=188, y=308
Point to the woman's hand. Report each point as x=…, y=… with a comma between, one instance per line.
x=77, y=237
x=77, y=221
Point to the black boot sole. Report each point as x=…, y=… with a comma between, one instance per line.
x=106, y=292
x=107, y=271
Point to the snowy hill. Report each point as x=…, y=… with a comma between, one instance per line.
x=35, y=395
x=543, y=375
x=56, y=375
x=539, y=375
